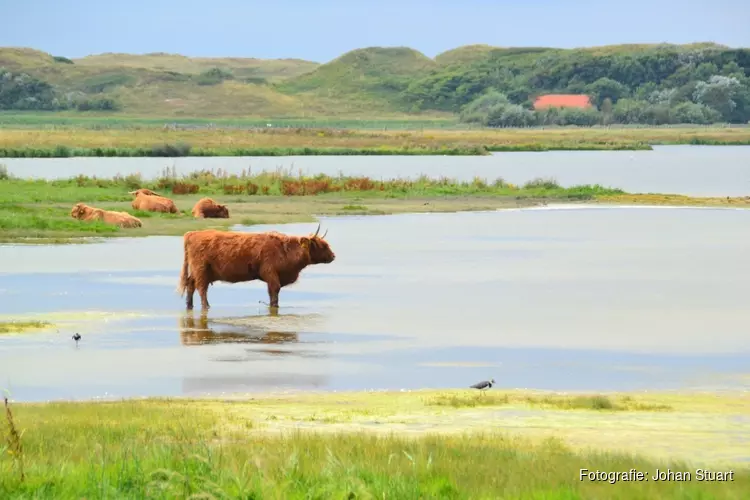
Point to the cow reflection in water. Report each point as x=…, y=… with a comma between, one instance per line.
x=195, y=331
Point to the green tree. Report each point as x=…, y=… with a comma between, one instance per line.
x=719, y=93
x=606, y=88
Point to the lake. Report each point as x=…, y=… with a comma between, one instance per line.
x=689, y=170
x=562, y=298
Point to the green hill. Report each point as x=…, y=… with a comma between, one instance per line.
x=368, y=79
x=271, y=70
x=635, y=83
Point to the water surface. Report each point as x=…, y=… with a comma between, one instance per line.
x=585, y=298
x=689, y=170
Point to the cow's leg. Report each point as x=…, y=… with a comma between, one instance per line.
x=203, y=292
x=190, y=289
x=200, y=282
x=273, y=292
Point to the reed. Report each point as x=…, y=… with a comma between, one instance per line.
x=155, y=142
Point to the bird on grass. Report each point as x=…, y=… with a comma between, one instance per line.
x=76, y=337
x=483, y=385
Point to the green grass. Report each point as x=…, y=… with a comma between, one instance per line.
x=175, y=449
x=99, y=121
x=38, y=209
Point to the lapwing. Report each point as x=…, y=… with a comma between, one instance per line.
x=483, y=385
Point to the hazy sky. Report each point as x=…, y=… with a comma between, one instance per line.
x=321, y=30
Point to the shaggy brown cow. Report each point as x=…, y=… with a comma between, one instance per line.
x=153, y=203
x=274, y=258
x=206, y=208
x=84, y=212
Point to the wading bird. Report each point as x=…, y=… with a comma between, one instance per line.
x=76, y=337
x=483, y=385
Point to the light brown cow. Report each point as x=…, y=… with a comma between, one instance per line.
x=84, y=212
x=153, y=203
x=206, y=208
x=274, y=258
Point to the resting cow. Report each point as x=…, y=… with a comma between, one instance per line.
x=274, y=258
x=206, y=208
x=145, y=191
x=152, y=202
x=84, y=212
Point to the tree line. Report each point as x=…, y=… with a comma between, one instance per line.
x=652, y=86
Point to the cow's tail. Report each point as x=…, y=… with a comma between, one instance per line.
x=185, y=274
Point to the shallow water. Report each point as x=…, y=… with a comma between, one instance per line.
x=689, y=170
x=585, y=298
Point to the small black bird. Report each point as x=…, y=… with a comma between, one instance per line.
x=483, y=385
x=76, y=337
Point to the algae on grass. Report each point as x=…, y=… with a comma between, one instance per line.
x=24, y=326
x=596, y=402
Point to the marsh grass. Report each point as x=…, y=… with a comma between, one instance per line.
x=175, y=449
x=146, y=141
x=33, y=208
x=594, y=402
x=22, y=326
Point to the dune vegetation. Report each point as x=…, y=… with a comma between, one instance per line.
x=645, y=84
x=249, y=448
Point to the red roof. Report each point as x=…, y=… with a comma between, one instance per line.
x=562, y=101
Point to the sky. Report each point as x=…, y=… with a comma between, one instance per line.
x=321, y=30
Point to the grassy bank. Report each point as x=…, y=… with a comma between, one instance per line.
x=39, y=209
x=303, y=141
x=237, y=449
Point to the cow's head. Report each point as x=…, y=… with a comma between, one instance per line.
x=222, y=211
x=320, y=250
x=78, y=211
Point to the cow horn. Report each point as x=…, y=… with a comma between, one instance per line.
x=324, y=234
x=131, y=192
x=317, y=231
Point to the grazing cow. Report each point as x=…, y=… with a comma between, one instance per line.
x=274, y=258
x=153, y=203
x=206, y=208
x=84, y=212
